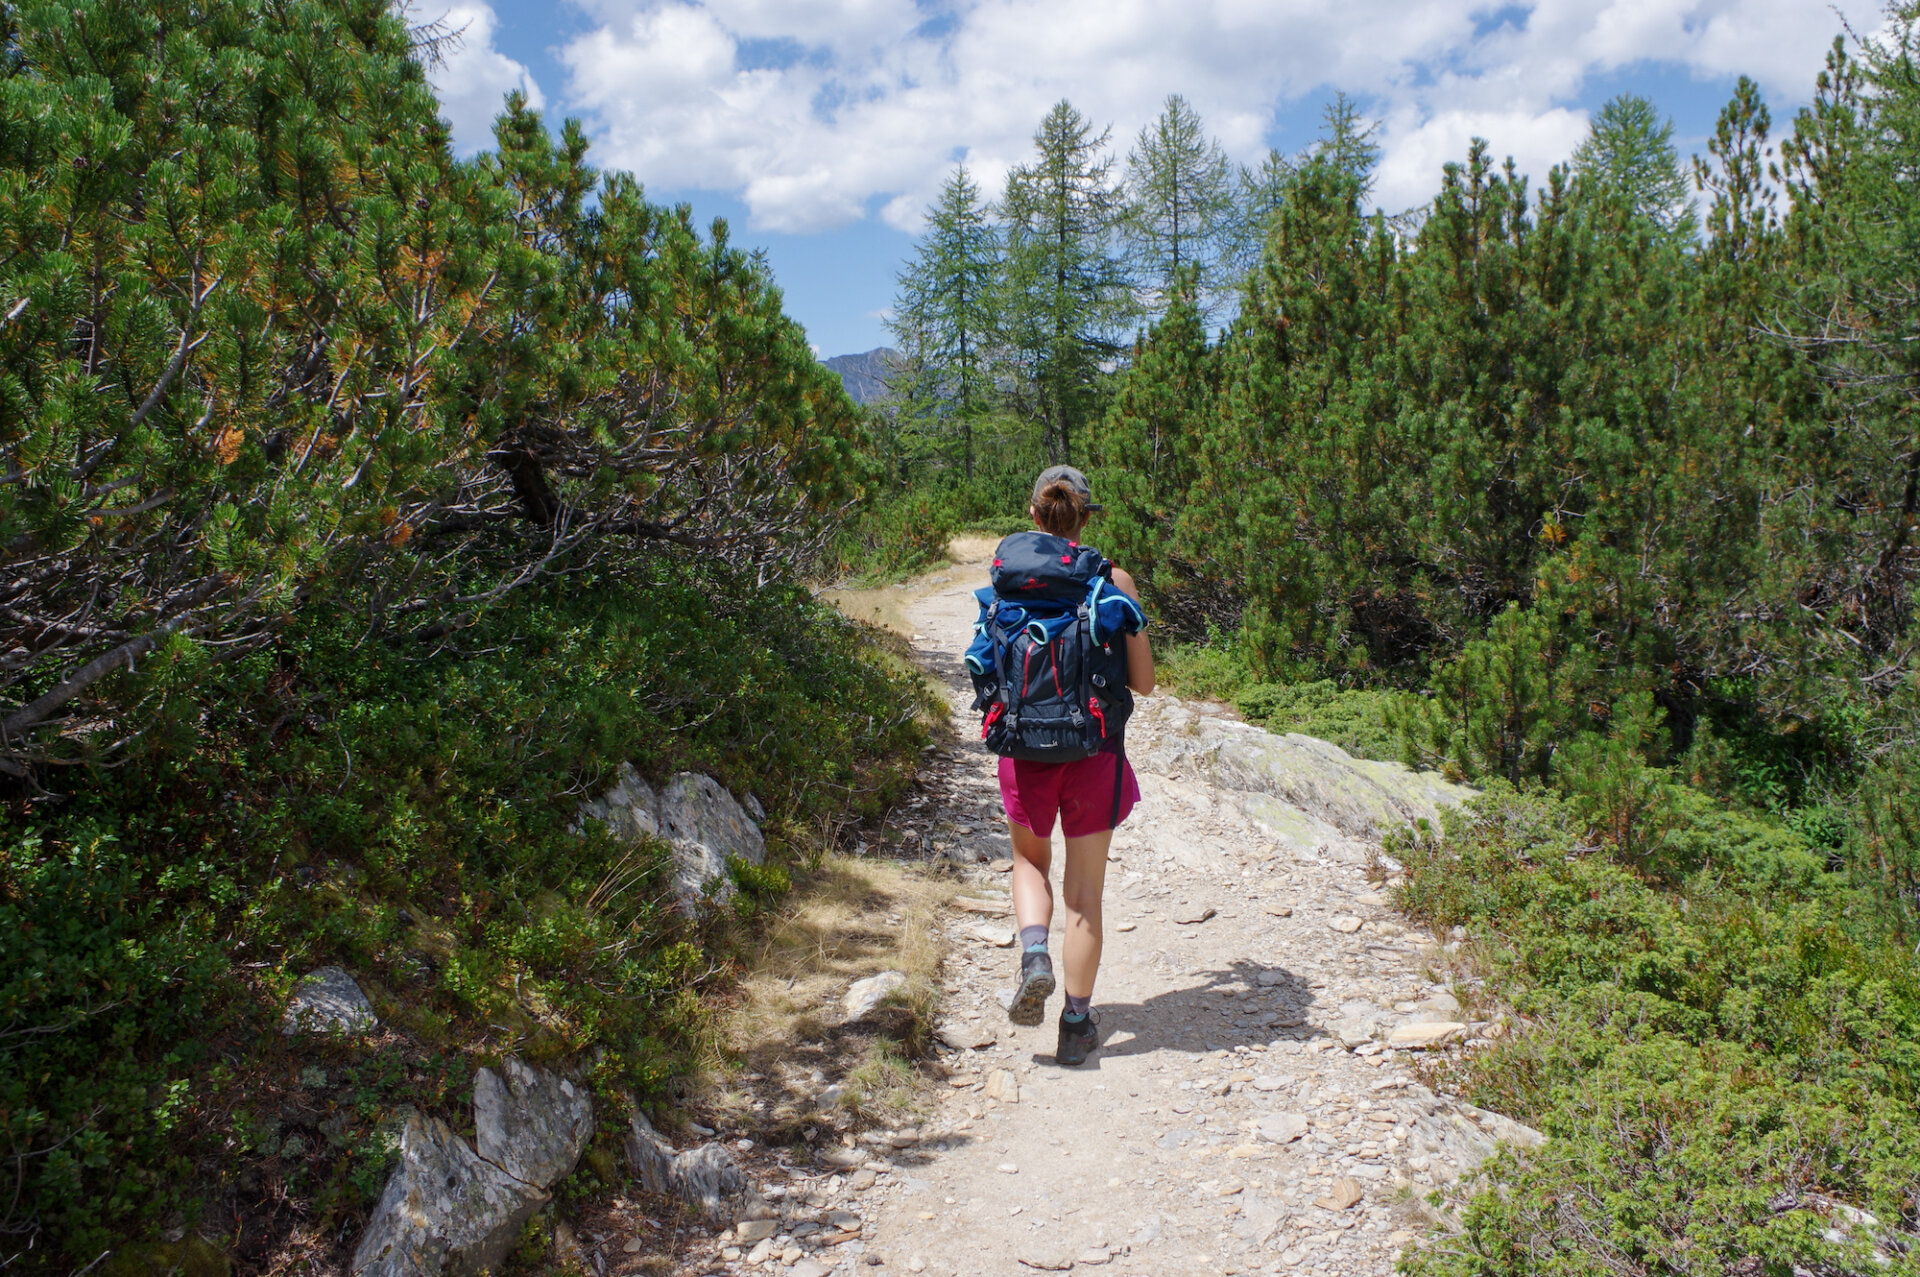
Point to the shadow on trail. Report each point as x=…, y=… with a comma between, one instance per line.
x=1190, y=1020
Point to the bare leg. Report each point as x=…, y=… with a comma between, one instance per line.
x=1032, y=890
x=1084, y=882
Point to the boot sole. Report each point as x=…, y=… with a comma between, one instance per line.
x=1030, y=1003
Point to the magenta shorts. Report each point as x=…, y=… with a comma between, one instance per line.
x=1081, y=794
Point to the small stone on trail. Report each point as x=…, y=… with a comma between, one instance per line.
x=916, y=1265
x=1280, y=911
x=1048, y=1263
x=1008, y=1168
x=1344, y=1194
x=754, y=1230
x=1001, y=866
x=1416, y=1036
x=1126, y=926
x=1346, y=925
x=809, y=1268
x=998, y=937
x=1094, y=1257
x=632, y=1247
x=1268, y=1083
x=846, y=1158
x=1003, y=1086
x=1281, y=1128
x=866, y=994
x=1189, y=914
x=974, y=904
x=862, y=1181
x=963, y=1036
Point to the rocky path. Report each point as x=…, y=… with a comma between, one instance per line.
x=1254, y=1107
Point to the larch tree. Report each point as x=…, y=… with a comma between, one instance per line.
x=1068, y=291
x=1629, y=154
x=1179, y=208
x=947, y=310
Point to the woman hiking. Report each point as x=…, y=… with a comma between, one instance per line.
x=1091, y=794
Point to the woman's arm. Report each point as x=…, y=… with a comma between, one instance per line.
x=1139, y=651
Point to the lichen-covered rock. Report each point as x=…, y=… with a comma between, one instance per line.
x=696, y=816
x=706, y=1178
x=328, y=1000
x=1359, y=797
x=705, y=825
x=530, y=1123
x=445, y=1209
x=630, y=810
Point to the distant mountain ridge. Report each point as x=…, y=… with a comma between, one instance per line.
x=866, y=375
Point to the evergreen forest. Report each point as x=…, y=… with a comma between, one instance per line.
x=1599, y=488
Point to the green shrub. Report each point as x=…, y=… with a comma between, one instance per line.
x=403, y=810
x=1702, y=1055
x=1354, y=719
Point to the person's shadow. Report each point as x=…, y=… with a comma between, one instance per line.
x=1192, y=1021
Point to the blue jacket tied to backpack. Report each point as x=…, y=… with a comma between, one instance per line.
x=1049, y=654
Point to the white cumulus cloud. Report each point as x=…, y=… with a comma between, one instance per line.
x=472, y=77
x=817, y=112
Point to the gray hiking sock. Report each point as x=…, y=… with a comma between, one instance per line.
x=1077, y=1008
x=1033, y=939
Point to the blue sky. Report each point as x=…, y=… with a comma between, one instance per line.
x=820, y=128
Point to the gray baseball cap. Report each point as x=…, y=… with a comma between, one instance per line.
x=1071, y=477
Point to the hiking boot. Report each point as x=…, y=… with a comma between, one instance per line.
x=1076, y=1039
x=1029, y=1003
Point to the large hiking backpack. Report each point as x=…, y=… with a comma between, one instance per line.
x=1049, y=655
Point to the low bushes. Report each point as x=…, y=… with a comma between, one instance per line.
x=1714, y=1056
x=403, y=810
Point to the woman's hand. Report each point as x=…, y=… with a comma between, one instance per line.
x=1139, y=651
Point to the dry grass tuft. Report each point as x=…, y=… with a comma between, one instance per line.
x=782, y=1056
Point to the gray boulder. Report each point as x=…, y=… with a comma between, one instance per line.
x=630, y=810
x=706, y=825
x=328, y=1000
x=702, y=822
x=706, y=1178
x=530, y=1123
x=451, y=1208
x=445, y=1209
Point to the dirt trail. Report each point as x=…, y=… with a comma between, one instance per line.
x=1224, y=1126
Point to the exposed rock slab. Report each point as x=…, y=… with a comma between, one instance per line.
x=326, y=1001
x=630, y=810
x=531, y=1123
x=706, y=826
x=1358, y=797
x=445, y=1209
